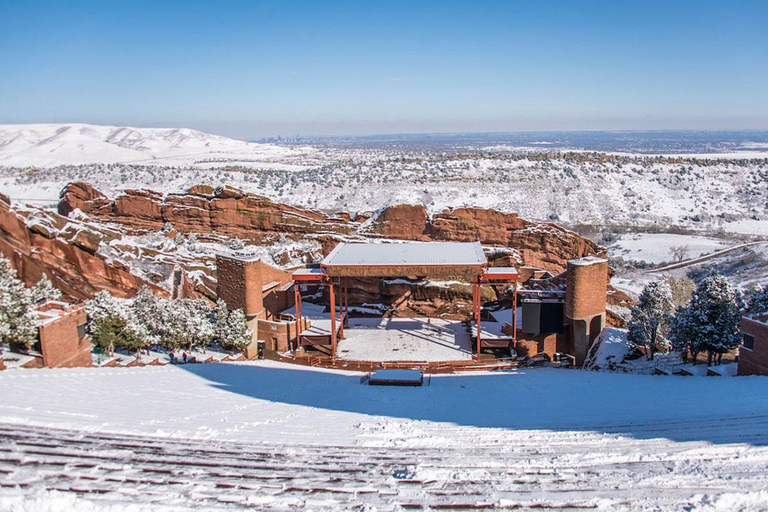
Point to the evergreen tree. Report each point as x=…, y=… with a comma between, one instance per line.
x=148, y=310
x=115, y=325
x=17, y=320
x=186, y=323
x=44, y=291
x=236, y=336
x=758, y=302
x=650, y=317
x=106, y=321
x=221, y=327
x=712, y=320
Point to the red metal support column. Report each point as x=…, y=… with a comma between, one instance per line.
x=478, y=309
x=514, y=315
x=333, y=321
x=341, y=309
x=346, y=302
x=297, y=306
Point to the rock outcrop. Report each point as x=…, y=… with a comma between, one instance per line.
x=224, y=211
x=231, y=212
x=547, y=246
x=42, y=243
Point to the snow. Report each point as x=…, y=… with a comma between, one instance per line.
x=747, y=227
x=656, y=248
x=49, y=145
x=405, y=339
x=406, y=253
x=226, y=433
x=625, y=190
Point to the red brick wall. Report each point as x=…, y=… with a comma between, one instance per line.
x=283, y=332
x=586, y=289
x=755, y=361
x=240, y=285
x=60, y=344
x=531, y=345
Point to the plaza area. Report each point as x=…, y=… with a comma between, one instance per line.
x=405, y=339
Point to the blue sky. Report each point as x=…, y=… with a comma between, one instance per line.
x=258, y=68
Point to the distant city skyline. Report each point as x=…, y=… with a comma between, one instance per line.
x=255, y=69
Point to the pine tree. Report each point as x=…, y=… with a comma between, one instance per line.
x=650, y=317
x=147, y=309
x=758, y=303
x=17, y=320
x=222, y=314
x=237, y=336
x=712, y=320
x=115, y=325
x=44, y=291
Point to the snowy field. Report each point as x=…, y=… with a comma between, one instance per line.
x=405, y=339
x=273, y=436
x=656, y=248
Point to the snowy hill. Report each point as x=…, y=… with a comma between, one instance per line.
x=50, y=145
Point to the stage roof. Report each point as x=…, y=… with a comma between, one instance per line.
x=436, y=259
x=406, y=254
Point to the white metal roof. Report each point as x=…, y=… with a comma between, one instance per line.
x=407, y=254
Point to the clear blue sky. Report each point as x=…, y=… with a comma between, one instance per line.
x=256, y=68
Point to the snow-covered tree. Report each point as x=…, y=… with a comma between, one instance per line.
x=220, y=325
x=201, y=321
x=106, y=321
x=44, y=291
x=712, y=320
x=186, y=324
x=114, y=324
x=17, y=321
x=236, y=336
x=148, y=309
x=758, y=302
x=235, y=244
x=650, y=317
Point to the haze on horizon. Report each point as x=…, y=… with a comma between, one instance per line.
x=249, y=69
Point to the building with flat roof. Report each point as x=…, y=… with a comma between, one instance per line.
x=62, y=341
x=753, y=352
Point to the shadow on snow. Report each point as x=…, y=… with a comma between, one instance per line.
x=712, y=409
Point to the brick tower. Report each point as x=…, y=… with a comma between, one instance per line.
x=239, y=285
x=586, y=286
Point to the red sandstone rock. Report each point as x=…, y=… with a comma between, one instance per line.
x=81, y=196
x=229, y=212
x=72, y=266
x=403, y=222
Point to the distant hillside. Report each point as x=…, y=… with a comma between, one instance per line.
x=50, y=145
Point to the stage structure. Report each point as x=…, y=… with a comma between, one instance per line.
x=421, y=260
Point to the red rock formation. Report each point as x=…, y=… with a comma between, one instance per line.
x=403, y=222
x=547, y=246
x=232, y=212
x=225, y=211
x=42, y=243
x=469, y=224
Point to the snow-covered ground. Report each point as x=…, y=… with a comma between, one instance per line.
x=270, y=435
x=405, y=339
x=657, y=248
x=50, y=145
x=572, y=188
